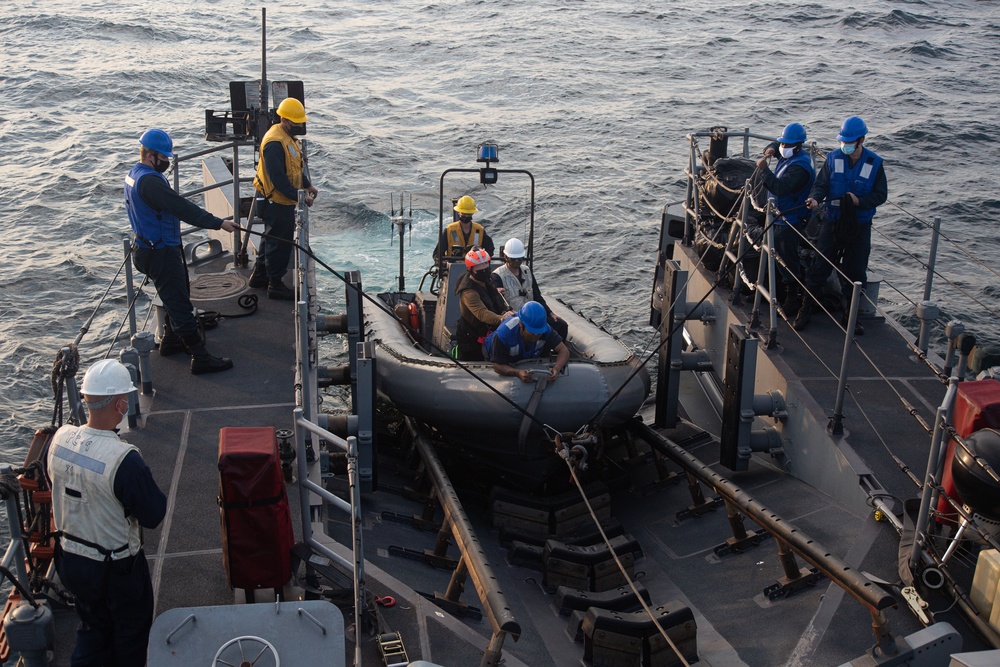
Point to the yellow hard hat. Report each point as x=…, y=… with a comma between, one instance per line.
x=292, y=109
x=466, y=205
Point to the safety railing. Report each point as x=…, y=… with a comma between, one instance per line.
x=13, y=562
x=740, y=243
x=308, y=431
x=932, y=546
x=235, y=182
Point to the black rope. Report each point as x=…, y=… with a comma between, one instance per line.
x=65, y=366
x=86, y=325
x=210, y=318
x=128, y=311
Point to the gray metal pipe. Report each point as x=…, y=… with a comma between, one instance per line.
x=860, y=587
x=129, y=287
x=495, y=602
x=932, y=258
x=838, y=409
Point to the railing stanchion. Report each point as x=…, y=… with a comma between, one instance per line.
x=238, y=258
x=927, y=311
x=837, y=422
x=691, y=198
x=129, y=287
x=932, y=257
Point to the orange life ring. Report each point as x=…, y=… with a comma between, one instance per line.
x=414, y=317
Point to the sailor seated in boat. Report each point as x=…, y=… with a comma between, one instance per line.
x=525, y=336
x=518, y=286
x=481, y=308
x=462, y=235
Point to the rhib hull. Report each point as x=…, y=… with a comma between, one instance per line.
x=436, y=391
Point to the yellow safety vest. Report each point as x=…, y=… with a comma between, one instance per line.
x=293, y=166
x=458, y=244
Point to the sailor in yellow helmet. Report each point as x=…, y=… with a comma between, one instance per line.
x=280, y=175
x=462, y=235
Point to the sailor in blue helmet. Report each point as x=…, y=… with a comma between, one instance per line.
x=789, y=185
x=155, y=212
x=850, y=186
x=526, y=335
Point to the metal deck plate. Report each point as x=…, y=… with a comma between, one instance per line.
x=298, y=633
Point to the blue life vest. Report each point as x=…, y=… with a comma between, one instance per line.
x=794, y=203
x=508, y=334
x=152, y=228
x=859, y=179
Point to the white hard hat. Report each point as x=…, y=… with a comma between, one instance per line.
x=514, y=249
x=107, y=378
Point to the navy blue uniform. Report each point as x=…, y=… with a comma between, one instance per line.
x=155, y=212
x=114, y=600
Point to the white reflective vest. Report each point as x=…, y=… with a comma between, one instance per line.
x=516, y=292
x=82, y=463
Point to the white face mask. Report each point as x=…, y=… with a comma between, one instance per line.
x=847, y=149
x=786, y=151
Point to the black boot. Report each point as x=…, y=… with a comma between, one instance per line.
x=845, y=320
x=793, y=300
x=170, y=343
x=804, y=316
x=201, y=361
x=258, y=279
x=278, y=290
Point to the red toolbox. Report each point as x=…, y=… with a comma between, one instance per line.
x=257, y=537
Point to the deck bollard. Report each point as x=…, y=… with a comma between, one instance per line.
x=130, y=359
x=143, y=342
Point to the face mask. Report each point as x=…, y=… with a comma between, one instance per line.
x=297, y=130
x=847, y=149
x=160, y=166
x=787, y=151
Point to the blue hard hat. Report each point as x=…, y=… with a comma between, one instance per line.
x=159, y=141
x=793, y=133
x=853, y=129
x=532, y=316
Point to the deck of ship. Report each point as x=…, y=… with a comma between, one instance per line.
x=737, y=624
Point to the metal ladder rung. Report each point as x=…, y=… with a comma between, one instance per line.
x=392, y=649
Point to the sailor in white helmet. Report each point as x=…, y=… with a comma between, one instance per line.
x=518, y=286
x=103, y=494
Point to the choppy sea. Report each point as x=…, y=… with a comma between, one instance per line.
x=594, y=97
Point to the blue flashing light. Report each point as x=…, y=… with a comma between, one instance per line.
x=487, y=153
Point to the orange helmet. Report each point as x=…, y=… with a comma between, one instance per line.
x=475, y=257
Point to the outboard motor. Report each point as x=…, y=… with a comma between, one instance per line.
x=30, y=631
x=978, y=490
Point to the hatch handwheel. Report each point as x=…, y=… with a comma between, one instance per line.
x=246, y=651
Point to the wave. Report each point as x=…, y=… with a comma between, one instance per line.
x=898, y=18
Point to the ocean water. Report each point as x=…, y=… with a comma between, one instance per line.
x=593, y=97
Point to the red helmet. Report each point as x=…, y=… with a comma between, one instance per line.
x=475, y=257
